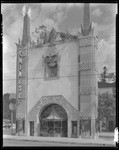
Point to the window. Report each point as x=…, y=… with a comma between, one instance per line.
x=31, y=128
x=23, y=126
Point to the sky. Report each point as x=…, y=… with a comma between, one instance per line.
x=64, y=17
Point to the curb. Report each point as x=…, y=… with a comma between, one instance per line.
x=101, y=143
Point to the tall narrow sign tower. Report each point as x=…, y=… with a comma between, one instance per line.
x=22, y=74
x=88, y=90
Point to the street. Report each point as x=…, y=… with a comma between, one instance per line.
x=7, y=143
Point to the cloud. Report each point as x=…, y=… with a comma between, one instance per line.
x=103, y=29
x=5, y=7
x=97, y=12
x=106, y=55
x=93, y=5
x=9, y=86
x=5, y=43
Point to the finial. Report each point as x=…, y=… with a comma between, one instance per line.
x=87, y=26
x=29, y=12
x=25, y=9
x=86, y=21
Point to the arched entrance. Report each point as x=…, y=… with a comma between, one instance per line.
x=53, y=121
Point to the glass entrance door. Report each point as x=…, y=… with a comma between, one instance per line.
x=53, y=121
x=54, y=128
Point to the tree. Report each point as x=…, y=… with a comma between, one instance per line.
x=103, y=75
x=107, y=76
x=106, y=106
x=112, y=76
x=6, y=110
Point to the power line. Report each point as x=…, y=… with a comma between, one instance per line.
x=104, y=37
x=54, y=77
x=61, y=66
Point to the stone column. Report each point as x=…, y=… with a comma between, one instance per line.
x=38, y=129
x=78, y=125
x=35, y=128
x=93, y=126
x=28, y=129
x=69, y=128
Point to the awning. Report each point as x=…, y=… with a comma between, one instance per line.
x=54, y=116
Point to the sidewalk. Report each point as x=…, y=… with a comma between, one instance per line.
x=107, y=134
x=62, y=140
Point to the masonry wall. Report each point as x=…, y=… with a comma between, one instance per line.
x=66, y=85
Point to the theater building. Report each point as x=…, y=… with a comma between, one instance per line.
x=56, y=86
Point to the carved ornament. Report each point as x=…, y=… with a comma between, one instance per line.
x=88, y=90
x=46, y=100
x=86, y=66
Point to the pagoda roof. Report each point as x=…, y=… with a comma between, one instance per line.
x=54, y=116
x=106, y=85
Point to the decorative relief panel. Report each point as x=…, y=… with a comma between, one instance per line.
x=23, y=51
x=86, y=41
x=46, y=100
x=88, y=90
x=86, y=66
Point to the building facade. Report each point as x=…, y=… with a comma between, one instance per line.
x=57, y=91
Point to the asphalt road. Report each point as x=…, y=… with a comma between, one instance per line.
x=8, y=143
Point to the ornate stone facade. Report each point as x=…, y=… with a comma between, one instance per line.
x=88, y=90
x=47, y=100
x=86, y=66
x=88, y=41
x=22, y=72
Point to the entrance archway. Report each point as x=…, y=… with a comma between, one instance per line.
x=53, y=121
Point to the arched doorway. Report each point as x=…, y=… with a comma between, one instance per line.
x=53, y=121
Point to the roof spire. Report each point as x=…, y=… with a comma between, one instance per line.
x=26, y=25
x=86, y=20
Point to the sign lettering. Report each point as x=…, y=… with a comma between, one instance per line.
x=20, y=73
x=19, y=95
x=20, y=53
x=20, y=60
x=20, y=87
